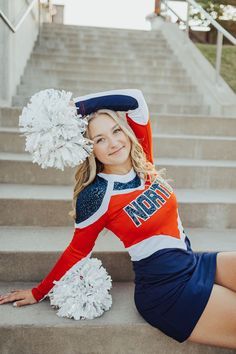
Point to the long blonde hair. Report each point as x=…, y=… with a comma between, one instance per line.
x=87, y=171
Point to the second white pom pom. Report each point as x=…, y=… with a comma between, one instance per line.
x=82, y=293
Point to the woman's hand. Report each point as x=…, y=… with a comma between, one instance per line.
x=21, y=297
x=71, y=103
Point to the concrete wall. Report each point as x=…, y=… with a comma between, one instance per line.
x=15, y=48
x=220, y=96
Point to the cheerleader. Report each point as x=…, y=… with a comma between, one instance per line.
x=187, y=295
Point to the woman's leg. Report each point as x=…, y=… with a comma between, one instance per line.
x=217, y=324
x=226, y=270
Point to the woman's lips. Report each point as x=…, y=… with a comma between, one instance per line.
x=116, y=151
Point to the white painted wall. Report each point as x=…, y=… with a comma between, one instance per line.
x=15, y=48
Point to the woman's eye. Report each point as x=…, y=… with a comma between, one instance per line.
x=99, y=140
x=117, y=130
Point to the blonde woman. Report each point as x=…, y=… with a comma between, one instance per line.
x=187, y=295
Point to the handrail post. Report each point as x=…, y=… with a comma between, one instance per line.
x=39, y=20
x=218, y=55
x=187, y=19
x=157, y=9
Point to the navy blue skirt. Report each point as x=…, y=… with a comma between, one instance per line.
x=172, y=288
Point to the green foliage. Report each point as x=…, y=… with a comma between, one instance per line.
x=228, y=62
x=216, y=9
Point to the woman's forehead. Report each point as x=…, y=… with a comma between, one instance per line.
x=102, y=121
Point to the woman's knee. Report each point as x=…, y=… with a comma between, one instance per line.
x=217, y=324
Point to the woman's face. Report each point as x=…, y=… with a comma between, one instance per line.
x=111, y=145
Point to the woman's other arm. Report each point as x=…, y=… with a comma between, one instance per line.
x=89, y=223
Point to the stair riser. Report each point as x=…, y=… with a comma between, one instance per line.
x=82, y=65
x=21, y=172
x=79, y=59
x=93, y=75
x=160, y=108
x=9, y=117
x=33, y=266
x=81, y=85
x=194, y=148
x=114, y=34
x=20, y=212
x=76, y=47
x=209, y=126
x=89, y=76
x=158, y=98
x=160, y=88
x=94, y=37
x=71, y=337
x=163, y=147
x=100, y=55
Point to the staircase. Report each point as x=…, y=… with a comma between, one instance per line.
x=198, y=150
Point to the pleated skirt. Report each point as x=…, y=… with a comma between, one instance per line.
x=172, y=288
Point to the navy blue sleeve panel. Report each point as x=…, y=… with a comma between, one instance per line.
x=113, y=102
x=131, y=101
x=90, y=200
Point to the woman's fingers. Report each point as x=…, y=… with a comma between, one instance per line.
x=20, y=298
x=12, y=291
x=11, y=297
x=21, y=303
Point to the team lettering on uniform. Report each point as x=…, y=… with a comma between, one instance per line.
x=146, y=204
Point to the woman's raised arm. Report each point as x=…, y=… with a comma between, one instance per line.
x=130, y=101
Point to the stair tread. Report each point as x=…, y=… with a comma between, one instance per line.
x=56, y=239
x=123, y=310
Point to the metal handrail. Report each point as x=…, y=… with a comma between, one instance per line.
x=220, y=32
x=15, y=28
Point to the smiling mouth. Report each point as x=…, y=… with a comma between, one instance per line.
x=116, y=151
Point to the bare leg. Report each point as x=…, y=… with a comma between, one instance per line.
x=226, y=270
x=217, y=324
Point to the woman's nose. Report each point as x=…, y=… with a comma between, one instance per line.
x=113, y=142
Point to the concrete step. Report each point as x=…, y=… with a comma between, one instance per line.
x=92, y=74
x=186, y=173
x=161, y=123
x=44, y=205
x=22, y=100
x=87, y=86
x=91, y=46
x=164, y=145
x=102, y=55
x=84, y=87
x=43, y=331
x=156, y=86
x=128, y=58
x=93, y=41
x=80, y=46
x=122, y=67
x=29, y=253
x=104, y=32
x=157, y=97
x=203, y=125
x=157, y=89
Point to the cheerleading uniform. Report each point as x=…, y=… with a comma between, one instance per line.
x=172, y=283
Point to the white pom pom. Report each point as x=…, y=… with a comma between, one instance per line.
x=53, y=130
x=82, y=293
